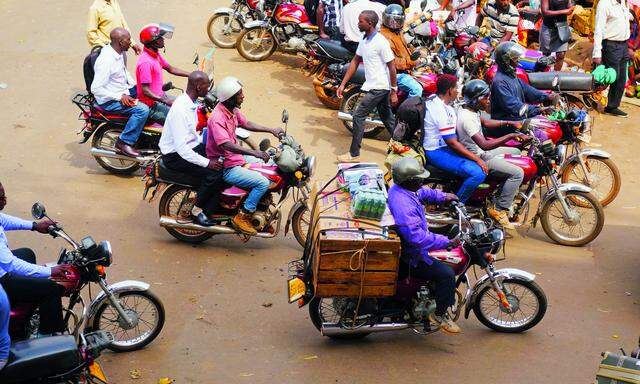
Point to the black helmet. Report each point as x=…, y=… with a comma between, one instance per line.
x=507, y=55
x=393, y=17
x=473, y=91
x=408, y=169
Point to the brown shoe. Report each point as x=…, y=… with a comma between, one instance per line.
x=445, y=324
x=502, y=217
x=242, y=222
x=126, y=149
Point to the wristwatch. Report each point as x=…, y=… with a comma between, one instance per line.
x=394, y=88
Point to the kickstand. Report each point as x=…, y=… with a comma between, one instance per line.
x=244, y=238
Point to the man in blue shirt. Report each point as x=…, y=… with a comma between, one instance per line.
x=406, y=198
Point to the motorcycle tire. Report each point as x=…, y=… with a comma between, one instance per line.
x=579, y=199
x=118, y=346
x=316, y=319
x=219, y=38
x=349, y=103
x=300, y=232
x=533, y=287
x=105, y=138
x=254, y=33
x=605, y=197
x=188, y=236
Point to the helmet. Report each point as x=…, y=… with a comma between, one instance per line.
x=479, y=50
x=507, y=55
x=153, y=32
x=227, y=88
x=393, y=17
x=408, y=169
x=473, y=91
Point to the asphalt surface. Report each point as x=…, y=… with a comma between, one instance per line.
x=228, y=320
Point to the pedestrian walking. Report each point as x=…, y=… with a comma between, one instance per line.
x=555, y=32
x=350, y=20
x=328, y=18
x=104, y=17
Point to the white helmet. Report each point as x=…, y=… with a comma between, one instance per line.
x=228, y=87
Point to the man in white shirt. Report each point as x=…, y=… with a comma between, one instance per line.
x=115, y=90
x=610, y=47
x=349, y=21
x=380, y=84
x=183, y=151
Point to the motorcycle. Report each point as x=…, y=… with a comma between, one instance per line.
x=505, y=300
x=56, y=360
x=286, y=27
x=225, y=25
x=114, y=309
x=178, y=198
x=326, y=61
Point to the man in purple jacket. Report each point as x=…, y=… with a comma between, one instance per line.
x=406, y=198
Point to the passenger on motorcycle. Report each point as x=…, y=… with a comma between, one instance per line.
x=223, y=145
x=23, y=280
x=441, y=145
x=476, y=99
x=114, y=90
x=406, y=199
x=5, y=340
x=392, y=24
x=149, y=71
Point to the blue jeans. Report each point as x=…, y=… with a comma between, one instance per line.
x=410, y=85
x=445, y=159
x=247, y=179
x=5, y=341
x=137, y=118
x=158, y=113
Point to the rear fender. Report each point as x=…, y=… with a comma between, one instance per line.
x=500, y=275
x=116, y=289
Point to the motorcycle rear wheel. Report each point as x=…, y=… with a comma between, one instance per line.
x=256, y=44
x=216, y=30
x=349, y=103
x=317, y=316
x=170, y=205
x=597, y=167
x=583, y=202
x=105, y=138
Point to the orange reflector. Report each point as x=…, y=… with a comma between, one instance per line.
x=101, y=270
x=298, y=175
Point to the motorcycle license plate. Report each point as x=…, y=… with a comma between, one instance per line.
x=297, y=289
x=96, y=371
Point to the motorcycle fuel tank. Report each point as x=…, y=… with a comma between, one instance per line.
x=70, y=281
x=551, y=128
x=291, y=13
x=527, y=165
x=455, y=258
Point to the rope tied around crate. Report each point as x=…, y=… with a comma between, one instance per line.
x=361, y=254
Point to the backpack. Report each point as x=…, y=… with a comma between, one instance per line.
x=311, y=7
x=409, y=128
x=87, y=67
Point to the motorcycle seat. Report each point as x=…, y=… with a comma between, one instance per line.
x=100, y=112
x=39, y=358
x=168, y=175
x=567, y=81
x=334, y=49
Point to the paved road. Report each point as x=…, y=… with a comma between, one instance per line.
x=218, y=330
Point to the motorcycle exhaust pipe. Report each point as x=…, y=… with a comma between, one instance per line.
x=348, y=117
x=97, y=152
x=332, y=329
x=168, y=222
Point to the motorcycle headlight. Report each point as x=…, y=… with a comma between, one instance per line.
x=105, y=254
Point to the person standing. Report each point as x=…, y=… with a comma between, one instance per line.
x=610, y=39
x=328, y=18
x=503, y=20
x=104, y=17
x=380, y=84
x=552, y=36
x=350, y=20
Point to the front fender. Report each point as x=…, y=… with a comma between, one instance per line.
x=500, y=275
x=597, y=153
x=116, y=289
x=230, y=11
x=566, y=187
x=257, y=24
x=298, y=204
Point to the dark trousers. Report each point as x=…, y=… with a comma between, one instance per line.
x=211, y=181
x=43, y=292
x=351, y=46
x=443, y=277
x=375, y=98
x=615, y=55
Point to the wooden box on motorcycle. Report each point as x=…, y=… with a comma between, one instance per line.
x=618, y=369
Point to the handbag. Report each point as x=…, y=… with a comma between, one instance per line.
x=564, y=32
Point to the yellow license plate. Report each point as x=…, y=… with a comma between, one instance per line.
x=96, y=371
x=297, y=289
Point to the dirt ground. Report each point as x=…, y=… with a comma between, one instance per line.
x=228, y=320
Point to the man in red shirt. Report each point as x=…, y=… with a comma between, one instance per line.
x=149, y=71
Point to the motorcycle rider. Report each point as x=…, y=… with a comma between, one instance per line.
x=149, y=71
x=469, y=130
x=392, y=24
x=223, y=145
x=441, y=145
x=23, y=280
x=406, y=199
x=5, y=340
x=182, y=149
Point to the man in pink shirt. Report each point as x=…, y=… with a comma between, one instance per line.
x=222, y=144
x=149, y=69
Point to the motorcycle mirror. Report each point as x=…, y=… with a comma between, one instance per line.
x=285, y=116
x=167, y=86
x=38, y=211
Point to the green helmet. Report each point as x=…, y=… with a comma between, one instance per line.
x=408, y=169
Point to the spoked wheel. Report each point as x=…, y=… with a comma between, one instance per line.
x=177, y=202
x=585, y=225
x=349, y=104
x=300, y=224
x=331, y=310
x=223, y=30
x=144, y=308
x=105, y=138
x=602, y=176
x=527, y=301
x=256, y=44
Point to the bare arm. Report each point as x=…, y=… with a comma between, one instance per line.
x=507, y=36
x=479, y=20
x=146, y=90
x=393, y=74
x=177, y=71
x=491, y=124
x=488, y=144
x=236, y=148
x=465, y=5
x=320, y=19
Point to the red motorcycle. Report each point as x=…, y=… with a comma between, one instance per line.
x=286, y=27
x=225, y=25
x=116, y=309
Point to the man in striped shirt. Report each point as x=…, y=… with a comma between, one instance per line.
x=503, y=20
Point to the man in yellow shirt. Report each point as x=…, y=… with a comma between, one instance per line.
x=104, y=16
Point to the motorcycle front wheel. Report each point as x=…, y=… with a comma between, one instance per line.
x=603, y=173
x=585, y=229
x=177, y=202
x=256, y=44
x=223, y=30
x=145, y=307
x=300, y=224
x=105, y=138
x=349, y=104
x=528, y=306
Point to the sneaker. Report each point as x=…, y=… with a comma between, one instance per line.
x=502, y=217
x=242, y=222
x=445, y=323
x=615, y=112
x=347, y=158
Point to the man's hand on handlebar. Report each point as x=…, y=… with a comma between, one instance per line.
x=547, y=110
x=455, y=242
x=264, y=156
x=278, y=132
x=59, y=271
x=43, y=226
x=449, y=197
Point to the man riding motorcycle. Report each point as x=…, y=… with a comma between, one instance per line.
x=406, y=199
x=223, y=145
x=5, y=340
